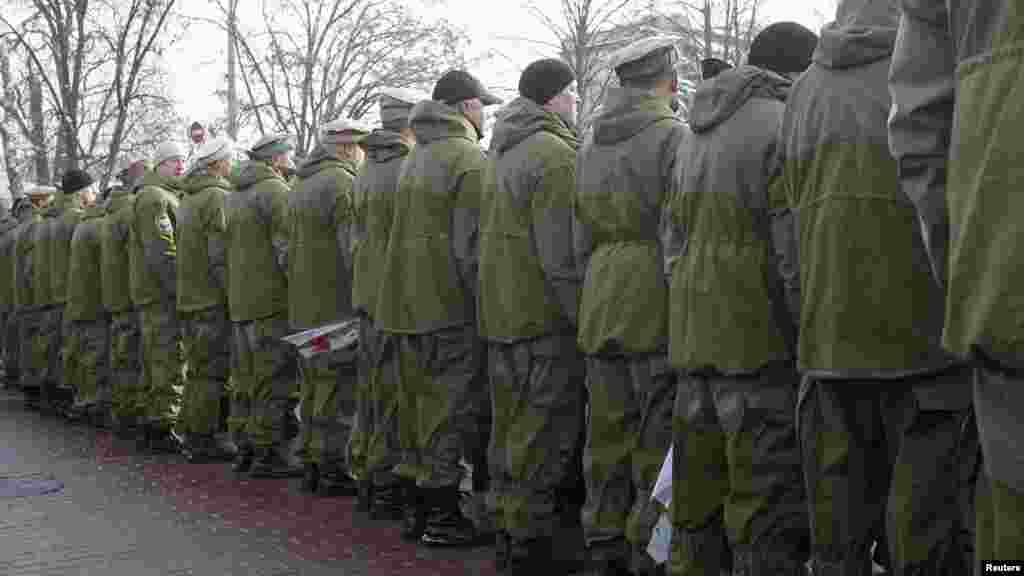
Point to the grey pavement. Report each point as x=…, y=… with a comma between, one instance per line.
x=124, y=513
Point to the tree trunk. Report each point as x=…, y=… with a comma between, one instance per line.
x=232, y=70
x=35, y=105
x=709, y=31
x=6, y=139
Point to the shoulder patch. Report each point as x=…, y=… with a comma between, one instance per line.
x=163, y=223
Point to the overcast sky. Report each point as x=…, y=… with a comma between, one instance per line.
x=198, y=65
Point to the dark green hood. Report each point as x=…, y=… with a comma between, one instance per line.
x=523, y=118
x=864, y=32
x=254, y=172
x=172, y=183
x=628, y=112
x=201, y=181
x=716, y=100
x=320, y=159
x=383, y=146
x=431, y=121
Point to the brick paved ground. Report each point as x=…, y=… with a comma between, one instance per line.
x=121, y=513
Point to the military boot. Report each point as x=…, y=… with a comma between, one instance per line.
x=310, y=477
x=142, y=436
x=386, y=501
x=269, y=463
x=446, y=524
x=163, y=441
x=335, y=482
x=243, y=460
x=414, y=515
x=220, y=448
x=364, y=499
x=608, y=559
x=125, y=427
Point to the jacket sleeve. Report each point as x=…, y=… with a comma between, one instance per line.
x=156, y=224
x=552, y=235
x=216, y=227
x=357, y=230
x=582, y=235
x=342, y=219
x=674, y=236
x=466, y=228
x=782, y=217
x=922, y=84
x=279, y=218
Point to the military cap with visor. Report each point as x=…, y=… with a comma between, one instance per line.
x=271, y=145
x=343, y=131
x=458, y=85
x=645, y=58
x=395, y=105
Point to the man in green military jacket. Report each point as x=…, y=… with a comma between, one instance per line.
x=373, y=208
x=319, y=293
x=87, y=348
x=31, y=317
x=527, y=303
x=46, y=345
x=622, y=181
x=264, y=367
x=955, y=131
x=9, y=340
x=125, y=336
x=24, y=212
x=153, y=250
x=202, y=301
x=427, y=298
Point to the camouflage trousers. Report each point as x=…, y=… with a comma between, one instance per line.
x=86, y=361
x=206, y=336
x=629, y=431
x=998, y=397
x=737, y=469
x=263, y=378
x=441, y=397
x=328, y=407
x=29, y=324
x=163, y=364
x=47, y=351
x=12, y=347
x=885, y=451
x=537, y=397
x=126, y=364
x=377, y=404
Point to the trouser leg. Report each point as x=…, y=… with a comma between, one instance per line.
x=273, y=379
x=207, y=345
x=125, y=365
x=383, y=447
x=164, y=364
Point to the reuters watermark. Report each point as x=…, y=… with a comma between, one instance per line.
x=1002, y=567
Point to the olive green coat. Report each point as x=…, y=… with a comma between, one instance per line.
x=319, y=229
x=63, y=229
x=85, y=285
x=7, y=237
x=152, y=242
x=429, y=277
x=257, y=238
x=529, y=281
x=373, y=208
x=202, y=255
x=24, y=249
x=115, y=253
x=726, y=303
x=42, y=263
x=622, y=182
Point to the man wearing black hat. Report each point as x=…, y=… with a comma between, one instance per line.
x=731, y=336
x=528, y=294
x=428, y=296
x=624, y=177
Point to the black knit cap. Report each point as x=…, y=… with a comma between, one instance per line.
x=75, y=180
x=544, y=79
x=711, y=67
x=458, y=85
x=783, y=48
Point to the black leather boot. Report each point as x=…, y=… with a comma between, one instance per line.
x=414, y=515
x=446, y=525
x=310, y=478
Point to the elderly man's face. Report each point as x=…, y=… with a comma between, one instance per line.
x=172, y=167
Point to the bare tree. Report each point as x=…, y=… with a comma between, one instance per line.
x=585, y=32
x=7, y=136
x=314, y=61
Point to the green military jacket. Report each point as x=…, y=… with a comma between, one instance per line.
x=202, y=256
x=623, y=177
x=727, y=308
x=955, y=83
x=7, y=238
x=373, y=208
x=24, y=248
x=529, y=281
x=42, y=261
x=85, y=271
x=869, y=306
x=115, y=253
x=63, y=229
x=319, y=228
x=152, y=244
x=429, y=277
x=257, y=239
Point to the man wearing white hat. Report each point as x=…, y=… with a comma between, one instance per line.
x=202, y=301
x=264, y=367
x=319, y=293
x=624, y=176
x=45, y=347
x=154, y=284
x=377, y=398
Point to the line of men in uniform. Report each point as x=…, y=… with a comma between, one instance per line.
x=789, y=289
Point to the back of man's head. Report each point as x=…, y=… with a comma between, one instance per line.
x=784, y=48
